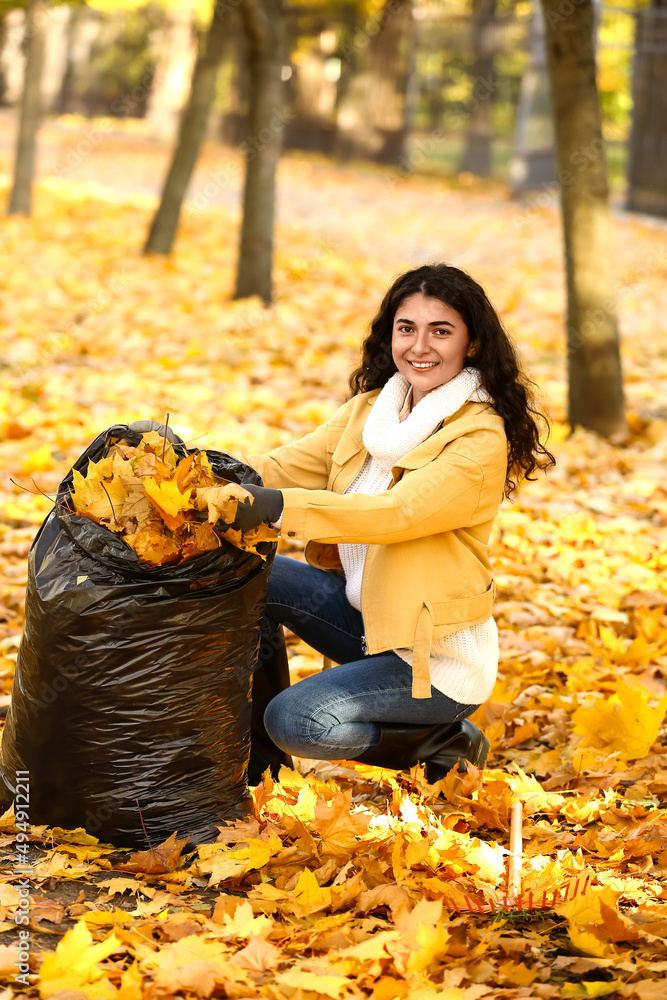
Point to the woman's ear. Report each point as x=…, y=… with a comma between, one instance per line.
x=472, y=349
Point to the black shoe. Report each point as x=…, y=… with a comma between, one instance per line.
x=401, y=746
x=270, y=678
x=465, y=743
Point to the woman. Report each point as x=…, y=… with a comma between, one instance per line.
x=396, y=495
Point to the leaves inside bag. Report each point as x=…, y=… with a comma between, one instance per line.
x=166, y=509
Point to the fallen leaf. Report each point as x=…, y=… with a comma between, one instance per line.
x=157, y=860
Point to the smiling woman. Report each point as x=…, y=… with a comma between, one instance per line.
x=431, y=347
x=396, y=495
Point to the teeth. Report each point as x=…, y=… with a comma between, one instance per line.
x=423, y=364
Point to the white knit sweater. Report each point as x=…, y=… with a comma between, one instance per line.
x=463, y=664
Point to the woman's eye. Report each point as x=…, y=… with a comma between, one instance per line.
x=441, y=331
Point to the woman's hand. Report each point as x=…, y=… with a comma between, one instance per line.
x=265, y=508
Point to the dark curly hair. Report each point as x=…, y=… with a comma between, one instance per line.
x=494, y=356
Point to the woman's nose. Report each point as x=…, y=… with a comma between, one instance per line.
x=421, y=344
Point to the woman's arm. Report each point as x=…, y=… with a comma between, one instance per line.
x=463, y=486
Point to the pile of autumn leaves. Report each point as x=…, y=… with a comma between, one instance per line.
x=167, y=510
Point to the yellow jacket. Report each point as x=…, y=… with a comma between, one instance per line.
x=427, y=572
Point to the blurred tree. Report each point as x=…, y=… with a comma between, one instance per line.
x=191, y=134
x=67, y=82
x=595, y=380
x=647, y=168
x=476, y=157
x=264, y=26
x=371, y=115
x=3, y=36
x=36, y=21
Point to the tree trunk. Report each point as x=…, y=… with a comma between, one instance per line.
x=3, y=37
x=371, y=116
x=647, y=169
x=595, y=382
x=61, y=105
x=476, y=157
x=265, y=31
x=191, y=136
x=36, y=21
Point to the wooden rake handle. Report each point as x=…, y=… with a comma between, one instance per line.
x=516, y=851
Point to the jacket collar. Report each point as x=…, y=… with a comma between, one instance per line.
x=351, y=454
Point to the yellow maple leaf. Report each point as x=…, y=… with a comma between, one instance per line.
x=97, y=471
x=308, y=896
x=586, y=921
x=154, y=548
x=97, y=500
x=518, y=973
x=588, y=989
x=326, y=985
x=625, y=723
x=154, y=441
x=195, y=965
x=130, y=984
x=75, y=961
x=138, y=508
x=221, y=863
x=244, y=922
x=169, y=501
x=221, y=501
x=432, y=945
x=489, y=859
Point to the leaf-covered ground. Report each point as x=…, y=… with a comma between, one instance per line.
x=340, y=886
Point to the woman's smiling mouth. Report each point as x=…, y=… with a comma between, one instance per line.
x=423, y=365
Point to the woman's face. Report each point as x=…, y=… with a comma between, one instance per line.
x=429, y=343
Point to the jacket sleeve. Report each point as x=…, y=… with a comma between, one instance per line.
x=304, y=463
x=463, y=486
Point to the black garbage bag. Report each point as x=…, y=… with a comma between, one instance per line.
x=132, y=685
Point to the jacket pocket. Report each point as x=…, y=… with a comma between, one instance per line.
x=464, y=611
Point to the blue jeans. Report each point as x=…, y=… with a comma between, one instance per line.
x=333, y=715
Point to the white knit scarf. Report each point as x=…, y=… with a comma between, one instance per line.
x=388, y=439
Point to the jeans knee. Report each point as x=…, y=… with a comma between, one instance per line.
x=276, y=720
x=289, y=726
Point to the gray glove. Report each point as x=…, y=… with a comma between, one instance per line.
x=267, y=508
x=145, y=426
